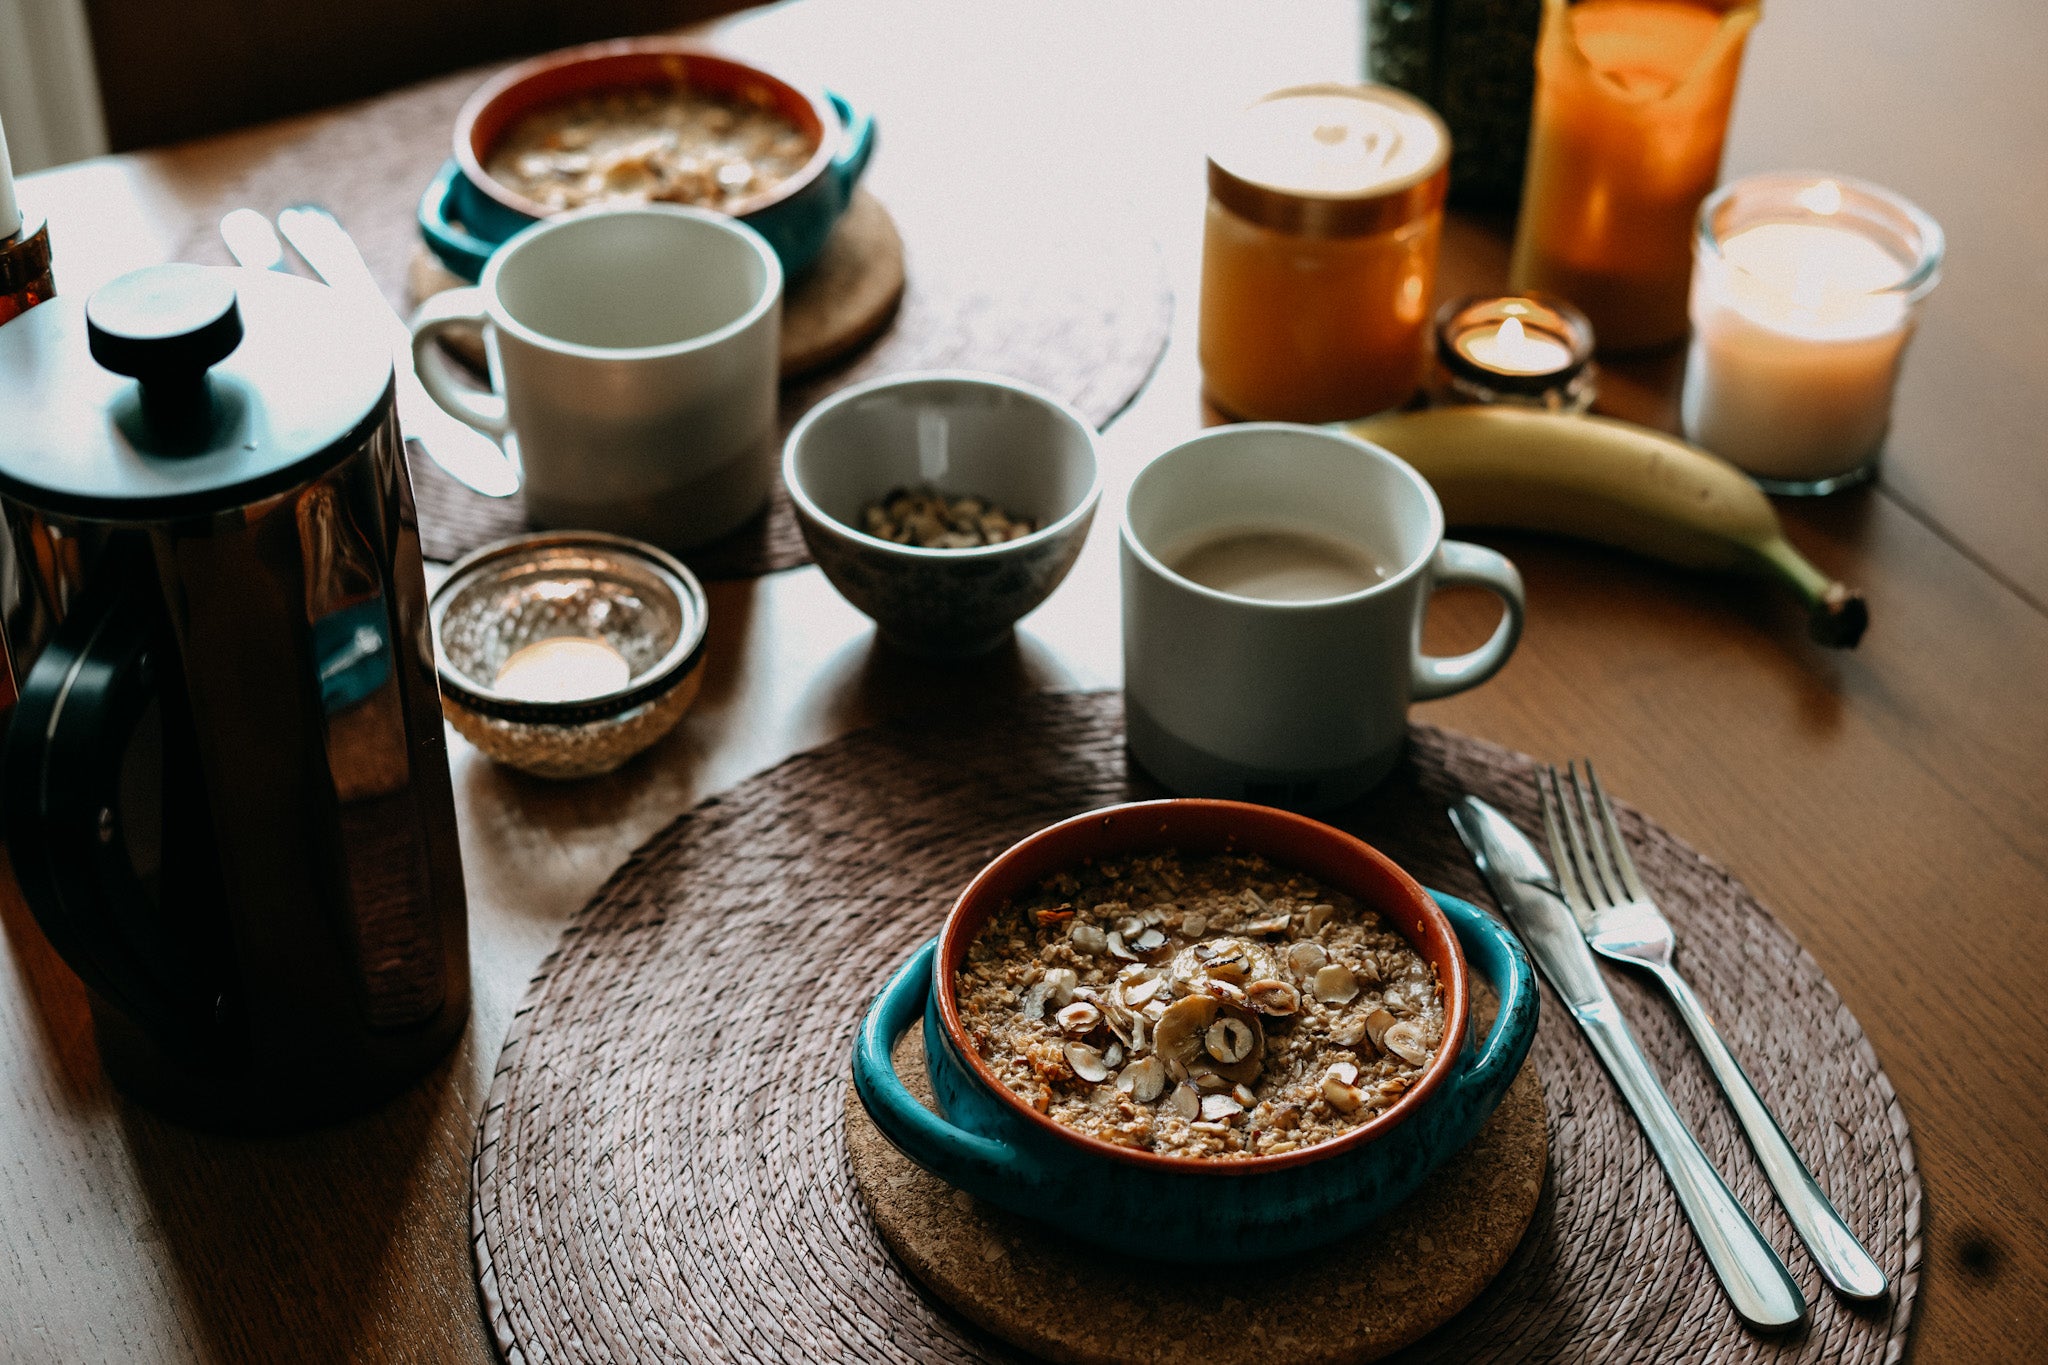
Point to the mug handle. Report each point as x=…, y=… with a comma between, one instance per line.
x=457, y=307
x=1459, y=562
x=975, y=1163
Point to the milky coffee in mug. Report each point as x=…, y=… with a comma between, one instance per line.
x=1274, y=580
x=1275, y=564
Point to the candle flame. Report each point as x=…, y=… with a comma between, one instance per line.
x=1512, y=349
x=1824, y=198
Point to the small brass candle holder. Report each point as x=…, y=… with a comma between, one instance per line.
x=1527, y=349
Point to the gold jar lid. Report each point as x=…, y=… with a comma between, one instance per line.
x=1332, y=160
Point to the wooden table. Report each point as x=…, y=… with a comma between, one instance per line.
x=1889, y=804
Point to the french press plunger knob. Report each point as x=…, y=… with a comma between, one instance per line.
x=165, y=327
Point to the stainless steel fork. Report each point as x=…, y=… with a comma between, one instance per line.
x=1621, y=922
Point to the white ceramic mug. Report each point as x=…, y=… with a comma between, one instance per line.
x=1296, y=703
x=634, y=356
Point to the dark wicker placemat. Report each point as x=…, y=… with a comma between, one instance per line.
x=1086, y=320
x=661, y=1170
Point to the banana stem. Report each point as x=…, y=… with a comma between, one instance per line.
x=1835, y=613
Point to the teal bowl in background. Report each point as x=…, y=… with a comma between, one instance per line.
x=992, y=1145
x=465, y=214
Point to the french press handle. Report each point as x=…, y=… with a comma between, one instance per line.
x=60, y=780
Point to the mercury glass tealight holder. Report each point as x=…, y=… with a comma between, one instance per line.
x=563, y=654
x=1526, y=349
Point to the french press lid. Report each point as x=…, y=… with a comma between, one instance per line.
x=180, y=390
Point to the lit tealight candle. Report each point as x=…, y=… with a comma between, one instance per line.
x=1525, y=349
x=1510, y=349
x=1802, y=306
x=566, y=668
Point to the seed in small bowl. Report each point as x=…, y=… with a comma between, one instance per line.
x=937, y=521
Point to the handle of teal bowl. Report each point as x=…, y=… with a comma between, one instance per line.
x=459, y=249
x=1498, y=957
x=969, y=1160
x=856, y=147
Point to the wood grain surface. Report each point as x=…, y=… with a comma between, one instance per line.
x=1888, y=804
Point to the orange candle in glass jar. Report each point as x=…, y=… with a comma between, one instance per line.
x=1632, y=104
x=1319, y=254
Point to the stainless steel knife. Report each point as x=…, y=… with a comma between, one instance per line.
x=1761, y=1289
x=463, y=451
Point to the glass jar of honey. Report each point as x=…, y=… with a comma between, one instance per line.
x=1319, y=256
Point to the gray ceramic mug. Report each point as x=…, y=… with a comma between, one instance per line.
x=634, y=354
x=1299, y=703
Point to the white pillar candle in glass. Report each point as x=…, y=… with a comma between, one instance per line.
x=1803, y=298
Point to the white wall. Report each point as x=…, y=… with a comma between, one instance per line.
x=49, y=94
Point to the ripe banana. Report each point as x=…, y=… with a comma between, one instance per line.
x=1612, y=482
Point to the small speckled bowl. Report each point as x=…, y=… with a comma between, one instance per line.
x=961, y=434
x=501, y=598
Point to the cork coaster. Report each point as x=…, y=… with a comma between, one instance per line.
x=846, y=296
x=665, y=1166
x=1356, y=1301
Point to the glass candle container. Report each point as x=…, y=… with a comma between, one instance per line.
x=565, y=654
x=25, y=278
x=1531, y=350
x=1632, y=104
x=1319, y=256
x=1803, y=299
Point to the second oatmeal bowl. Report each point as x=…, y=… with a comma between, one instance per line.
x=638, y=120
x=1187, y=1029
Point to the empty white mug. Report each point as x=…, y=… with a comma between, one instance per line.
x=634, y=356
x=1300, y=702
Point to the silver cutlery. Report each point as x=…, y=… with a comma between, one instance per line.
x=1762, y=1291
x=1621, y=922
x=463, y=451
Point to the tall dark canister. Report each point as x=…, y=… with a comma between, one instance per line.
x=225, y=785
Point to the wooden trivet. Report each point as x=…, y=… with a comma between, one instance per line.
x=1084, y=319
x=1408, y=1274
x=662, y=1170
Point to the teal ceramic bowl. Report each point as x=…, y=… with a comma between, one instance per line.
x=466, y=213
x=996, y=1147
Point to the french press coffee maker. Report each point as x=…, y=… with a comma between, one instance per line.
x=225, y=784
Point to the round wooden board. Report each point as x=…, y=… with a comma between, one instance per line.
x=842, y=301
x=1063, y=1300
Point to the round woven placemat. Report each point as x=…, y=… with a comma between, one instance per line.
x=1085, y=320
x=661, y=1171
x=1351, y=1303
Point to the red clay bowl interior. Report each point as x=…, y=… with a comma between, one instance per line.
x=626, y=64
x=1201, y=827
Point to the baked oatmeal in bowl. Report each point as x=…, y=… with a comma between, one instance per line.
x=1184, y=1028
x=640, y=120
